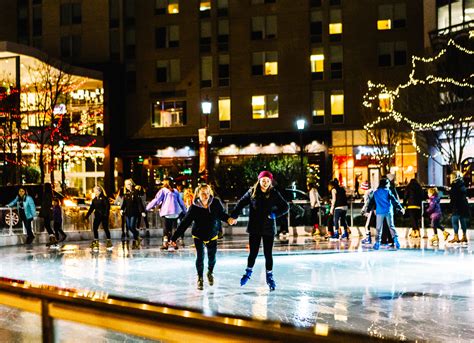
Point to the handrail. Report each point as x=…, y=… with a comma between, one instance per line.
x=153, y=321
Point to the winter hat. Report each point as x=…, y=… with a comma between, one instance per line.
x=265, y=173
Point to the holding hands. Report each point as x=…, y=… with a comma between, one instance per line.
x=231, y=221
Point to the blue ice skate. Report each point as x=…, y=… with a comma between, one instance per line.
x=367, y=240
x=345, y=235
x=376, y=246
x=396, y=243
x=246, y=277
x=270, y=281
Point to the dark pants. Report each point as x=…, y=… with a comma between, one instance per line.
x=170, y=223
x=147, y=225
x=340, y=216
x=47, y=225
x=105, y=225
x=254, y=243
x=315, y=216
x=211, y=255
x=282, y=223
x=414, y=214
x=27, y=222
x=131, y=223
x=58, y=229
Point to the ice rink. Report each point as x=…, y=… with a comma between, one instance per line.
x=416, y=293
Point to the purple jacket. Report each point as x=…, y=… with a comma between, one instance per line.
x=171, y=204
x=434, y=208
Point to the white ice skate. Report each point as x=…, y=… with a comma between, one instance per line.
x=55, y=247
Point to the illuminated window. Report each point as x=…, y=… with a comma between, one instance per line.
x=205, y=9
x=316, y=27
x=223, y=70
x=224, y=113
x=168, y=70
x=317, y=64
x=385, y=102
x=166, y=6
x=264, y=27
x=168, y=114
x=391, y=16
x=318, y=107
x=335, y=25
x=206, y=71
x=337, y=106
x=265, y=106
x=265, y=63
x=335, y=54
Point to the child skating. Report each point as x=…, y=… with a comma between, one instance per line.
x=434, y=211
x=100, y=206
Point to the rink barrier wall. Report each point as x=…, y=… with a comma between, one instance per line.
x=152, y=320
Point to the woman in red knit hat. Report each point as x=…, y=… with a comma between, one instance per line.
x=266, y=205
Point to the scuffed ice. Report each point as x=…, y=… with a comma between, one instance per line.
x=415, y=294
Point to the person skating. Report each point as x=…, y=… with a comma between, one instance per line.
x=132, y=208
x=59, y=234
x=339, y=208
x=369, y=194
x=205, y=213
x=46, y=213
x=100, y=206
x=412, y=202
x=459, y=207
x=384, y=202
x=26, y=211
x=434, y=211
x=171, y=207
x=265, y=205
x=315, y=203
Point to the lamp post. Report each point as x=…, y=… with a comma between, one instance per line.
x=63, y=174
x=300, y=124
x=206, y=108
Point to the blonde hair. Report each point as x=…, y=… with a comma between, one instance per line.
x=201, y=187
x=432, y=191
x=256, y=186
x=455, y=175
x=102, y=191
x=132, y=184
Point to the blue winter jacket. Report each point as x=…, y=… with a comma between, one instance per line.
x=29, y=205
x=384, y=201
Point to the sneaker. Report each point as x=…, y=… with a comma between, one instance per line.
x=210, y=278
x=108, y=244
x=445, y=235
x=376, y=246
x=200, y=283
x=246, y=277
x=434, y=240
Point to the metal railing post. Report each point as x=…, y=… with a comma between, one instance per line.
x=47, y=323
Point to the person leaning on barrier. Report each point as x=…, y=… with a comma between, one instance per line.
x=26, y=211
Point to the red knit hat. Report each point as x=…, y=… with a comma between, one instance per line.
x=265, y=173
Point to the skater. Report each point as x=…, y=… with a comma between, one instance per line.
x=315, y=203
x=205, y=213
x=26, y=211
x=58, y=222
x=132, y=208
x=434, y=211
x=101, y=207
x=412, y=202
x=142, y=194
x=369, y=194
x=266, y=205
x=171, y=207
x=459, y=207
x=46, y=213
x=339, y=208
x=384, y=202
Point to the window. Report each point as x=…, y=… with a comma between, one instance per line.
x=70, y=46
x=265, y=63
x=335, y=54
x=205, y=9
x=453, y=12
x=335, y=25
x=316, y=27
x=168, y=113
x=317, y=64
x=70, y=13
x=222, y=8
x=392, y=54
x=224, y=113
x=264, y=27
x=223, y=70
x=337, y=106
x=385, y=102
x=166, y=6
x=318, y=107
x=205, y=39
x=168, y=70
x=265, y=106
x=206, y=71
x=167, y=37
x=223, y=35
x=391, y=16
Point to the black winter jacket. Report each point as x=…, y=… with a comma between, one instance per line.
x=264, y=209
x=101, y=206
x=458, y=195
x=206, y=220
x=414, y=195
x=132, y=205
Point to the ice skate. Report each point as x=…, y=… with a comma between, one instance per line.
x=376, y=246
x=52, y=241
x=455, y=239
x=246, y=277
x=200, y=283
x=445, y=235
x=108, y=244
x=463, y=240
x=434, y=241
x=367, y=240
x=270, y=281
x=334, y=237
x=136, y=243
x=345, y=235
x=210, y=278
x=94, y=245
x=396, y=243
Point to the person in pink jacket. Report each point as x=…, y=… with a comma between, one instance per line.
x=171, y=207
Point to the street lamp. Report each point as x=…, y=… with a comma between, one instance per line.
x=300, y=124
x=206, y=108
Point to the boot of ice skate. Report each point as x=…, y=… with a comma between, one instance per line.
x=376, y=245
x=455, y=239
x=52, y=241
x=270, y=281
x=367, y=240
x=200, y=283
x=445, y=235
x=345, y=235
x=434, y=240
x=246, y=277
x=108, y=244
x=396, y=243
x=463, y=240
x=210, y=278
x=94, y=244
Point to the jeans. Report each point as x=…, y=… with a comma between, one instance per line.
x=254, y=243
x=340, y=215
x=380, y=219
x=131, y=225
x=455, y=220
x=211, y=255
